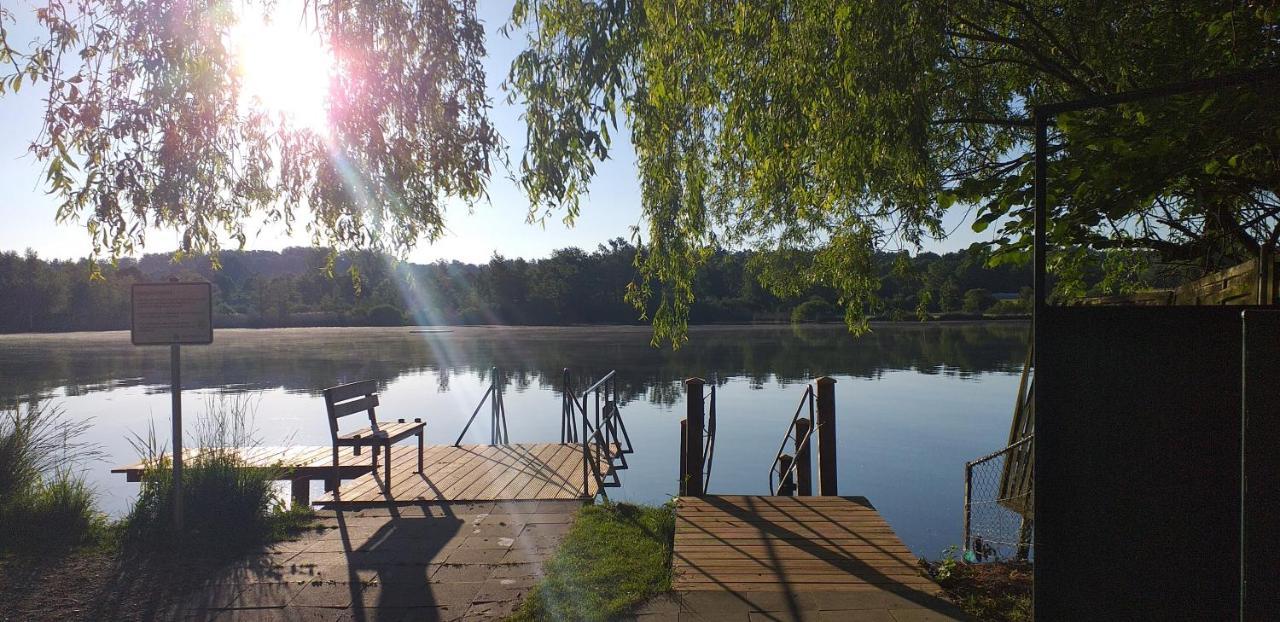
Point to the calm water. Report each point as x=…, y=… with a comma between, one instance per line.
x=914, y=402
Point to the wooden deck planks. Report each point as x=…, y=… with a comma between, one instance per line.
x=466, y=473
x=474, y=473
x=790, y=544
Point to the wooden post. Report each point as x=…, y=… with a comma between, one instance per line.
x=1024, y=538
x=683, y=486
x=827, y=436
x=693, y=441
x=786, y=481
x=300, y=491
x=968, y=492
x=804, y=465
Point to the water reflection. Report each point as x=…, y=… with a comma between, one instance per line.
x=914, y=401
x=307, y=360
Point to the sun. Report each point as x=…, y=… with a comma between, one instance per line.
x=283, y=64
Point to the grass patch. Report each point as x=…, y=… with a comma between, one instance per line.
x=615, y=556
x=227, y=507
x=45, y=504
x=998, y=591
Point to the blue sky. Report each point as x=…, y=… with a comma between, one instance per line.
x=499, y=226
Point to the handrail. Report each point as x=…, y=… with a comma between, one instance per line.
x=786, y=476
x=603, y=434
x=807, y=398
x=607, y=377
x=709, y=447
x=498, y=411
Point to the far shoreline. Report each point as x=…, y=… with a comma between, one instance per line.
x=446, y=328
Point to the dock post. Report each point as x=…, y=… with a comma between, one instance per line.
x=786, y=480
x=683, y=487
x=827, y=436
x=300, y=491
x=693, y=443
x=804, y=465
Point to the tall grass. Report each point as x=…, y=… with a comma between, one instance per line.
x=45, y=503
x=226, y=504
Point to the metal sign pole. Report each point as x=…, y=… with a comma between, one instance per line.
x=175, y=391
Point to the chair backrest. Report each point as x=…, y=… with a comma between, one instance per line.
x=349, y=399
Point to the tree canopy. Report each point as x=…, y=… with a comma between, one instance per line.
x=819, y=131
x=844, y=127
x=145, y=125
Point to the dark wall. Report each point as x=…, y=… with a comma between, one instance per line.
x=1138, y=463
x=1261, y=464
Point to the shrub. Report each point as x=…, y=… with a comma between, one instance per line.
x=227, y=506
x=45, y=503
x=812, y=310
x=977, y=300
x=1009, y=307
x=386, y=315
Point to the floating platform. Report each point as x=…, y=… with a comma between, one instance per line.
x=834, y=548
x=516, y=472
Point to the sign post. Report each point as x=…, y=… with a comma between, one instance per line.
x=173, y=314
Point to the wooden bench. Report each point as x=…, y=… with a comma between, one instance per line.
x=357, y=397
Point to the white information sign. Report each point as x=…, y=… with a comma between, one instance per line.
x=172, y=313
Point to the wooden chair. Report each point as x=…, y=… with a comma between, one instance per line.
x=356, y=397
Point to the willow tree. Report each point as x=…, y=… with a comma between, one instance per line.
x=824, y=131
x=146, y=126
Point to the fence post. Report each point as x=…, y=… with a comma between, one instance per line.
x=804, y=466
x=1024, y=538
x=684, y=458
x=827, y=436
x=693, y=441
x=968, y=495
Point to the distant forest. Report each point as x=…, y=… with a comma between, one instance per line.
x=572, y=286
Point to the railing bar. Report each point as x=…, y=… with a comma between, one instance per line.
x=993, y=454
x=783, y=449
x=473, y=415
x=600, y=381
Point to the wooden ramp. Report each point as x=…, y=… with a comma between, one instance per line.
x=834, y=548
x=462, y=473
x=477, y=473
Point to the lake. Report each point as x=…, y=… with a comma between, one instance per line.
x=914, y=401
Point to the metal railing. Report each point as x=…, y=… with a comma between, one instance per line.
x=784, y=466
x=998, y=510
x=709, y=442
x=604, y=441
x=497, y=411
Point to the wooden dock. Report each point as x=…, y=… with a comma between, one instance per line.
x=827, y=553
x=536, y=471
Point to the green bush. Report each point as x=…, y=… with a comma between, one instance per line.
x=45, y=503
x=386, y=315
x=226, y=505
x=977, y=300
x=614, y=557
x=1009, y=307
x=812, y=310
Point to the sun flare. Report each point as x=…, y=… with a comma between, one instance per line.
x=284, y=65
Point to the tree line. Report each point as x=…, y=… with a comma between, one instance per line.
x=300, y=287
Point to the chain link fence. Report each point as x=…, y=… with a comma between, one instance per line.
x=999, y=499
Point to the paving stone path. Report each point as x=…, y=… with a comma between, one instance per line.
x=437, y=561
